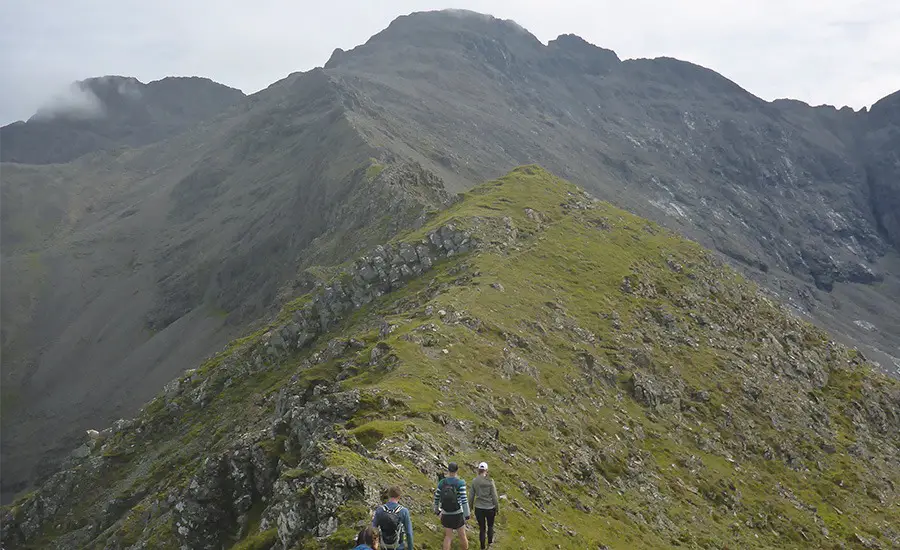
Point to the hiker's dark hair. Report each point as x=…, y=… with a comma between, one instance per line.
x=394, y=492
x=368, y=536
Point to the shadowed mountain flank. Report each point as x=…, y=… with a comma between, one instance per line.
x=122, y=268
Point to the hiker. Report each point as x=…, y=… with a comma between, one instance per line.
x=451, y=503
x=486, y=503
x=367, y=539
x=393, y=523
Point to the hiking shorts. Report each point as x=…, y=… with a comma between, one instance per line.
x=453, y=521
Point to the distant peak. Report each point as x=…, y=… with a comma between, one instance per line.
x=585, y=56
x=790, y=102
x=89, y=98
x=441, y=32
x=888, y=106
x=191, y=84
x=109, y=80
x=187, y=79
x=463, y=14
x=454, y=20
x=95, y=96
x=113, y=85
x=456, y=12
x=573, y=42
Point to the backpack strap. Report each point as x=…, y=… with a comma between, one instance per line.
x=401, y=525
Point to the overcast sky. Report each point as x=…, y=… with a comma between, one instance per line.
x=839, y=52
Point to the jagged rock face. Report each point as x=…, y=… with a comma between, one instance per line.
x=219, y=498
x=385, y=269
x=882, y=148
x=622, y=383
x=112, y=112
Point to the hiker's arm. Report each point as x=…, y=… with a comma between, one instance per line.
x=464, y=498
x=375, y=518
x=408, y=524
x=494, y=496
x=437, y=499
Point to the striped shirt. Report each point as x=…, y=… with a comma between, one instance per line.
x=461, y=496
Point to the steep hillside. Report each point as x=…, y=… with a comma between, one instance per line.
x=122, y=268
x=111, y=112
x=627, y=388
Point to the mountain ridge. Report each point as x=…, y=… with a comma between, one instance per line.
x=301, y=174
x=624, y=384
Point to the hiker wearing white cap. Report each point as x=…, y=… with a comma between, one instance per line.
x=486, y=502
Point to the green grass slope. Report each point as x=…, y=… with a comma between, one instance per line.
x=627, y=389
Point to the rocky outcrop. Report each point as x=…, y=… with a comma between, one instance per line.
x=220, y=496
x=309, y=506
x=826, y=271
x=300, y=498
x=386, y=268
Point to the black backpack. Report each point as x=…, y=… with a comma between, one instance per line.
x=449, y=496
x=390, y=524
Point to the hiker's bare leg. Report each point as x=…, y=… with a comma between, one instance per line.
x=463, y=540
x=448, y=538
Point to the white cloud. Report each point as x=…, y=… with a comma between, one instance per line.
x=74, y=102
x=820, y=51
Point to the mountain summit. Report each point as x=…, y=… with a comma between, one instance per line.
x=125, y=266
x=109, y=112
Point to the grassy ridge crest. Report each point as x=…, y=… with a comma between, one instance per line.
x=627, y=388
